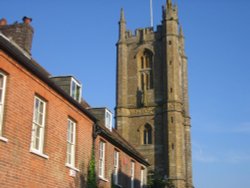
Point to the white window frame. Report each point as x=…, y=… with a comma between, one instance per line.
x=38, y=115
x=71, y=143
x=2, y=100
x=142, y=177
x=108, y=119
x=78, y=90
x=132, y=174
x=116, y=167
x=102, y=159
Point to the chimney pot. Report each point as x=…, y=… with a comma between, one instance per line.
x=3, y=22
x=27, y=20
x=21, y=33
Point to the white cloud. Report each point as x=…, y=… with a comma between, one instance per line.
x=242, y=128
x=236, y=156
x=202, y=156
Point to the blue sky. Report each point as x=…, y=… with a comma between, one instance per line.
x=78, y=38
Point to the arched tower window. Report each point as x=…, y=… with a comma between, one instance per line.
x=145, y=70
x=147, y=134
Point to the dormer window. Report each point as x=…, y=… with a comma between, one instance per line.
x=69, y=85
x=75, y=90
x=104, y=115
x=108, y=119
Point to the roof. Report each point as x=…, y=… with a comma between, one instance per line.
x=115, y=138
x=24, y=59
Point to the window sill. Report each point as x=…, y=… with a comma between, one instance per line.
x=103, y=179
x=4, y=139
x=36, y=152
x=72, y=167
x=117, y=185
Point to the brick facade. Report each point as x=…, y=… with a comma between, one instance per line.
x=22, y=167
x=18, y=165
x=124, y=174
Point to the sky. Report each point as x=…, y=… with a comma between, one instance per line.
x=78, y=38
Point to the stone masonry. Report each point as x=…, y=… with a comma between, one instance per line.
x=152, y=110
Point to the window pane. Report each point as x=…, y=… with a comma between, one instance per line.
x=78, y=93
x=101, y=158
x=37, y=143
x=132, y=174
x=1, y=81
x=37, y=131
x=41, y=107
x=72, y=137
x=149, y=136
x=2, y=91
x=37, y=104
x=145, y=137
x=101, y=153
x=36, y=117
x=68, y=148
x=40, y=122
x=68, y=133
x=142, y=177
x=73, y=89
x=70, y=142
x=115, y=158
x=1, y=95
x=36, y=137
x=1, y=112
x=142, y=62
x=100, y=167
x=132, y=169
x=141, y=81
x=1, y=118
x=69, y=158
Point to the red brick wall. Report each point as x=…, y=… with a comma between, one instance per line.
x=124, y=166
x=19, y=167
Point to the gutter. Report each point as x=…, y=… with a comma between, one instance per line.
x=101, y=131
x=25, y=60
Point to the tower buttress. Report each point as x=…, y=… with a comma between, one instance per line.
x=174, y=121
x=187, y=125
x=121, y=77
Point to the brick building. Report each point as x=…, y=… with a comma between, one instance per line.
x=47, y=132
x=117, y=159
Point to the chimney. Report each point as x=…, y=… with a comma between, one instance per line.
x=20, y=33
x=3, y=22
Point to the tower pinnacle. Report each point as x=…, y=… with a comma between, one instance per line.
x=122, y=17
x=122, y=26
x=169, y=3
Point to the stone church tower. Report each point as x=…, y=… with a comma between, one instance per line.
x=152, y=108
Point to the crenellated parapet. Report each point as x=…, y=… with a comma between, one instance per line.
x=152, y=95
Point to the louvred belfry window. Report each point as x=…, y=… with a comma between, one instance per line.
x=146, y=70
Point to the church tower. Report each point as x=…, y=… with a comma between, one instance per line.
x=152, y=108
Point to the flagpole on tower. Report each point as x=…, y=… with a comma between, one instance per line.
x=151, y=14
